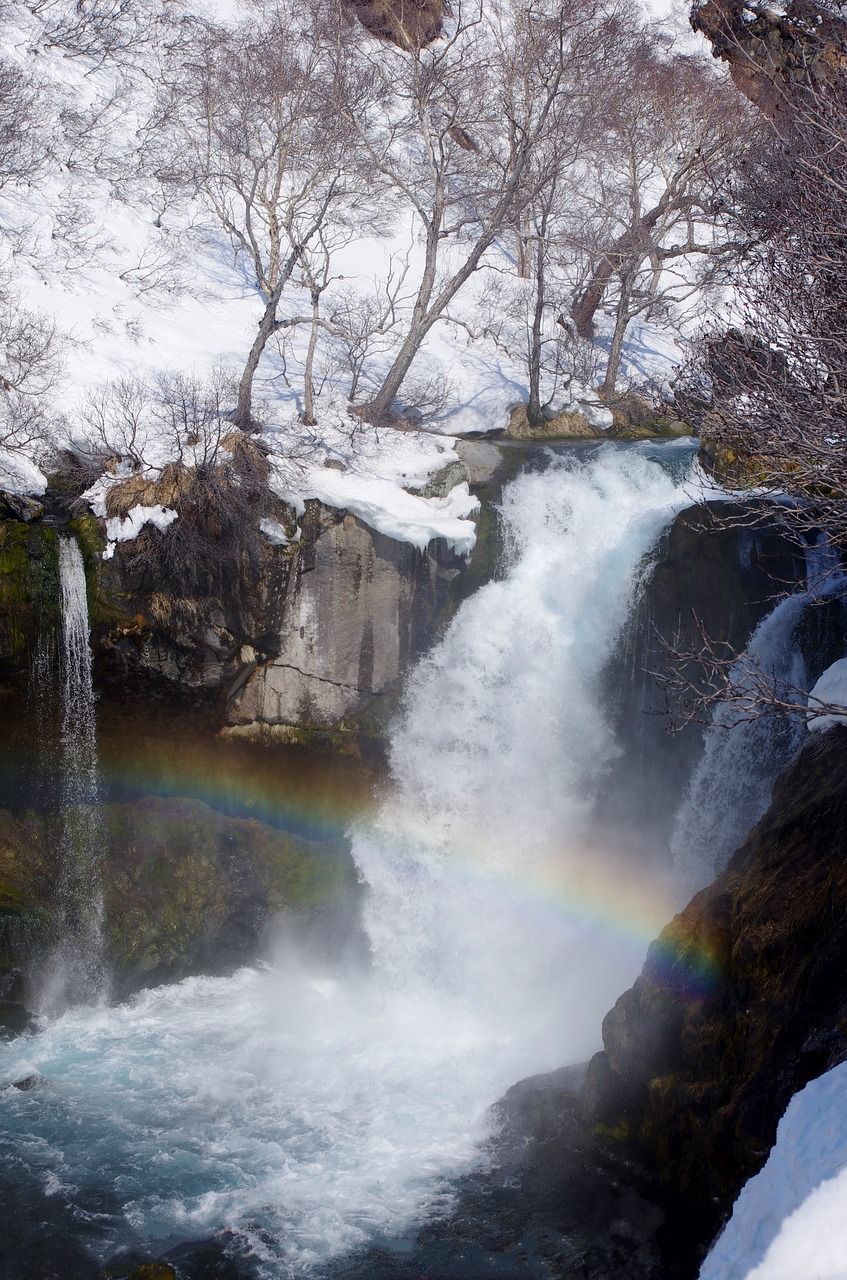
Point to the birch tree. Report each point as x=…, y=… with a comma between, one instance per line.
x=455, y=133
x=658, y=215
x=266, y=127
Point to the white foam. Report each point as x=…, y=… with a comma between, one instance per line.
x=313, y=1111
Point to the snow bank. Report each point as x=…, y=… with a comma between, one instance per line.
x=124, y=530
x=399, y=514
x=831, y=689
x=350, y=464
x=19, y=475
x=790, y=1221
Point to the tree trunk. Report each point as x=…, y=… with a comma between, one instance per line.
x=634, y=241
x=585, y=307
x=308, y=380
x=622, y=319
x=379, y=409
x=533, y=408
x=267, y=327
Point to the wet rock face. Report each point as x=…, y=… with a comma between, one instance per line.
x=743, y=998
x=728, y=576
x=29, y=593
x=150, y=638
x=318, y=631
x=360, y=608
x=187, y=890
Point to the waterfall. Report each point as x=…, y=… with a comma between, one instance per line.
x=79, y=730
x=313, y=1110
x=484, y=879
x=75, y=968
x=731, y=787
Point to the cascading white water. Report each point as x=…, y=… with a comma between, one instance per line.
x=482, y=873
x=75, y=969
x=311, y=1111
x=731, y=787
x=79, y=728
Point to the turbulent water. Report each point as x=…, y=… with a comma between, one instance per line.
x=311, y=1111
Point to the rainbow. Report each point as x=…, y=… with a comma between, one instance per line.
x=592, y=892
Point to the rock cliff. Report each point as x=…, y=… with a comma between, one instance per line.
x=775, y=58
x=743, y=997
x=359, y=609
x=187, y=889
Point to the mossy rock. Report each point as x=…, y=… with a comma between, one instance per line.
x=30, y=920
x=731, y=467
x=741, y=1002
x=634, y=417
x=30, y=595
x=189, y=890
x=144, y=1271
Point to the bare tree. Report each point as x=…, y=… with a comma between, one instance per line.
x=262, y=112
x=115, y=31
x=708, y=682
x=30, y=366
x=363, y=319
x=661, y=190
x=549, y=226
x=24, y=126
x=771, y=390
x=467, y=117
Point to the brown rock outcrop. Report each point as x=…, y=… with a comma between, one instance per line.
x=775, y=58
x=410, y=24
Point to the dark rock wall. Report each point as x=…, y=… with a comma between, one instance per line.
x=743, y=998
x=304, y=635
x=187, y=889
x=29, y=593
x=729, y=576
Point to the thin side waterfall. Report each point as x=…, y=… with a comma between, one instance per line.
x=731, y=787
x=75, y=972
x=312, y=1111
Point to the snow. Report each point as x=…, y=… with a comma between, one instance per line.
x=275, y=533
x=143, y=285
x=399, y=514
x=831, y=689
x=124, y=530
x=790, y=1221
x=18, y=474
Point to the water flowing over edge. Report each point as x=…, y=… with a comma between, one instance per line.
x=731, y=787
x=74, y=971
x=311, y=1111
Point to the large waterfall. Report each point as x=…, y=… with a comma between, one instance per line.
x=310, y=1111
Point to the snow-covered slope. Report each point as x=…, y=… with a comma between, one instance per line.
x=137, y=282
x=790, y=1221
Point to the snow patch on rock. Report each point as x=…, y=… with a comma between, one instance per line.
x=830, y=690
